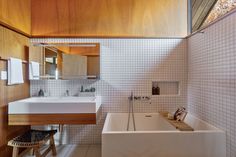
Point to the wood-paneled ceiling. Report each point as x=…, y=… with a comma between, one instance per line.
x=109, y=18
x=95, y=18
x=121, y=18
x=16, y=15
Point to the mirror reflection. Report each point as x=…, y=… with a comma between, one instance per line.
x=50, y=61
x=65, y=61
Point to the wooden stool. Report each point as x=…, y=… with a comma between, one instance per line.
x=33, y=140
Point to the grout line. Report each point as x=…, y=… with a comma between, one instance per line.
x=87, y=150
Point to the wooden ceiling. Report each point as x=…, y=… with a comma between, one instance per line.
x=123, y=18
x=16, y=15
x=109, y=18
x=97, y=18
x=200, y=11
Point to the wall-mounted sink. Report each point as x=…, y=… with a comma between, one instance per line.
x=42, y=105
x=54, y=110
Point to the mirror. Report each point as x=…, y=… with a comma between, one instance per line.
x=64, y=61
x=50, y=61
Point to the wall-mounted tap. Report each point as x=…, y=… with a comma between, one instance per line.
x=139, y=98
x=67, y=92
x=41, y=93
x=131, y=97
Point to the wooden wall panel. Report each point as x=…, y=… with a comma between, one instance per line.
x=11, y=45
x=36, y=54
x=109, y=18
x=16, y=14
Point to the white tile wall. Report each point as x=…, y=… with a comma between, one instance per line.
x=126, y=65
x=132, y=64
x=212, y=77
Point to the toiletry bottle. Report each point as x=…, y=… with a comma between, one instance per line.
x=82, y=89
x=158, y=90
x=155, y=90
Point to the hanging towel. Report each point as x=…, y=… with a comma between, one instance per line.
x=34, y=71
x=15, y=71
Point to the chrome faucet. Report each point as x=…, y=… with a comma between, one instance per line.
x=131, y=97
x=41, y=93
x=67, y=93
x=180, y=114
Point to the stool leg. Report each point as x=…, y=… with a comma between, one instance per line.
x=52, y=145
x=37, y=152
x=32, y=152
x=15, y=152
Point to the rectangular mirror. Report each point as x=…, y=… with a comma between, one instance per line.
x=64, y=61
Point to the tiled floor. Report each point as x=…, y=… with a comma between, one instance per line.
x=77, y=151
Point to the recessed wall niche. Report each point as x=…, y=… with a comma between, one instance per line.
x=165, y=88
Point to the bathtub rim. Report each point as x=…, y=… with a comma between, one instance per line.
x=109, y=114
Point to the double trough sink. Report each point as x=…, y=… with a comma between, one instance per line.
x=54, y=110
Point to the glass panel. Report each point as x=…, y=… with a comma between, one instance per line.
x=221, y=8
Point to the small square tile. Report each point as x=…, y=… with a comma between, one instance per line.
x=126, y=65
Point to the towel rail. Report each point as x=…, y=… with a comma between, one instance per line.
x=23, y=61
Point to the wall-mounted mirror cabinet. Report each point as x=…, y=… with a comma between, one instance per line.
x=64, y=61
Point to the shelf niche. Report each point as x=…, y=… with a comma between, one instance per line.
x=166, y=88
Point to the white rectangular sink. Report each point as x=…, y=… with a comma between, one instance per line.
x=52, y=105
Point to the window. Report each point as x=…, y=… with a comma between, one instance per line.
x=221, y=8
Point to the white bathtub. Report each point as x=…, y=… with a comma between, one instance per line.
x=155, y=137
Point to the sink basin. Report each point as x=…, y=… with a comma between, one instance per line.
x=52, y=105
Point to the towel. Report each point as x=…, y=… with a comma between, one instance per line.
x=15, y=71
x=34, y=71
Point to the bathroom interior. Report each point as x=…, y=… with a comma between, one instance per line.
x=118, y=78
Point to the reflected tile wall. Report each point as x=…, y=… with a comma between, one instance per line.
x=126, y=65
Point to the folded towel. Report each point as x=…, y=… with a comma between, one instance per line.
x=34, y=71
x=15, y=71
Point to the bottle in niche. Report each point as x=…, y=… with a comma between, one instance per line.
x=155, y=88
